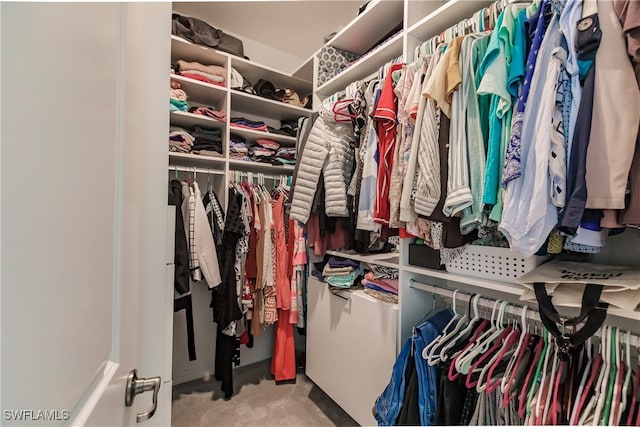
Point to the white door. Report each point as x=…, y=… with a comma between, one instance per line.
x=84, y=120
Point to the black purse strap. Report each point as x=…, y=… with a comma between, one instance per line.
x=593, y=313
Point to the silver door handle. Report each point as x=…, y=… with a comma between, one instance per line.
x=137, y=386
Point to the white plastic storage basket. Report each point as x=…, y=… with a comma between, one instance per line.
x=488, y=262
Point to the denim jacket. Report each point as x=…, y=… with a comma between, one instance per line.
x=388, y=404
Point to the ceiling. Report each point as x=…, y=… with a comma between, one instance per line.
x=297, y=27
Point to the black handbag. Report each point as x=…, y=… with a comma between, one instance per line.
x=199, y=32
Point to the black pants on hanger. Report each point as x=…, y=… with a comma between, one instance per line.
x=184, y=303
x=225, y=351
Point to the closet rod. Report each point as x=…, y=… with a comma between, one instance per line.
x=197, y=170
x=257, y=174
x=514, y=309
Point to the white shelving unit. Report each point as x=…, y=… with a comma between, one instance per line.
x=217, y=172
x=185, y=119
x=422, y=21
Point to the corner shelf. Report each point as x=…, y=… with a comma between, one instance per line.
x=252, y=104
x=364, y=66
x=377, y=20
x=445, y=16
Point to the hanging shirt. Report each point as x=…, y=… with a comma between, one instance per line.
x=473, y=50
x=385, y=116
x=512, y=165
x=369, y=184
x=615, y=117
x=528, y=215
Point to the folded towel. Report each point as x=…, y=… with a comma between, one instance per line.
x=216, y=70
x=209, y=112
x=212, y=77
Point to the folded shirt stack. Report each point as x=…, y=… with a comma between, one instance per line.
x=238, y=149
x=180, y=141
x=381, y=283
x=264, y=150
x=341, y=272
x=345, y=281
x=178, y=100
x=207, y=142
x=286, y=156
x=209, y=112
x=213, y=74
x=241, y=122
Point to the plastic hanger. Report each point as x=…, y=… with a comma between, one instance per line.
x=512, y=362
x=556, y=368
x=627, y=378
x=613, y=375
x=614, y=415
x=543, y=360
x=634, y=399
x=583, y=380
x=466, y=361
x=522, y=398
x=466, y=331
x=493, y=345
x=466, y=351
x=341, y=111
x=599, y=397
x=507, y=350
x=429, y=352
x=589, y=404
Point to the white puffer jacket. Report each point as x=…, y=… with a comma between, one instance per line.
x=328, y=149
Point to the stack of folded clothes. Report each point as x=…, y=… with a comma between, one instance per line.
x=381, y=283
x=209, y=112
x=341, y=273
x=285, y=156
x=213, y=74
x=241, y=122
x=178, y=100
x=207, y=142
x=238, y=149
x=180, y=141
x=264, y=150
x=287, y=127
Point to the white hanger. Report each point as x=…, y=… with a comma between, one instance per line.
x=616, y=390
x=465, y=359
x=591, y=403
x=482, y=384
x=603, y=382
x=452, y=342
x=514, y=357
x=583, y=381
x=429, y=352
x=627, y=379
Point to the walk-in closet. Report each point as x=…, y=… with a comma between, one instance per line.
x=384, y=212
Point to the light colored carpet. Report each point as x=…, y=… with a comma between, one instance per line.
x=257, y=401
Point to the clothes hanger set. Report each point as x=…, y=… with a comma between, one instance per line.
x=340, y=102
x=508, y=348
x=256, y=183
x=483, y=20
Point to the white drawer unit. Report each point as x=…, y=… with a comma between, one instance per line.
x=351, y=347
